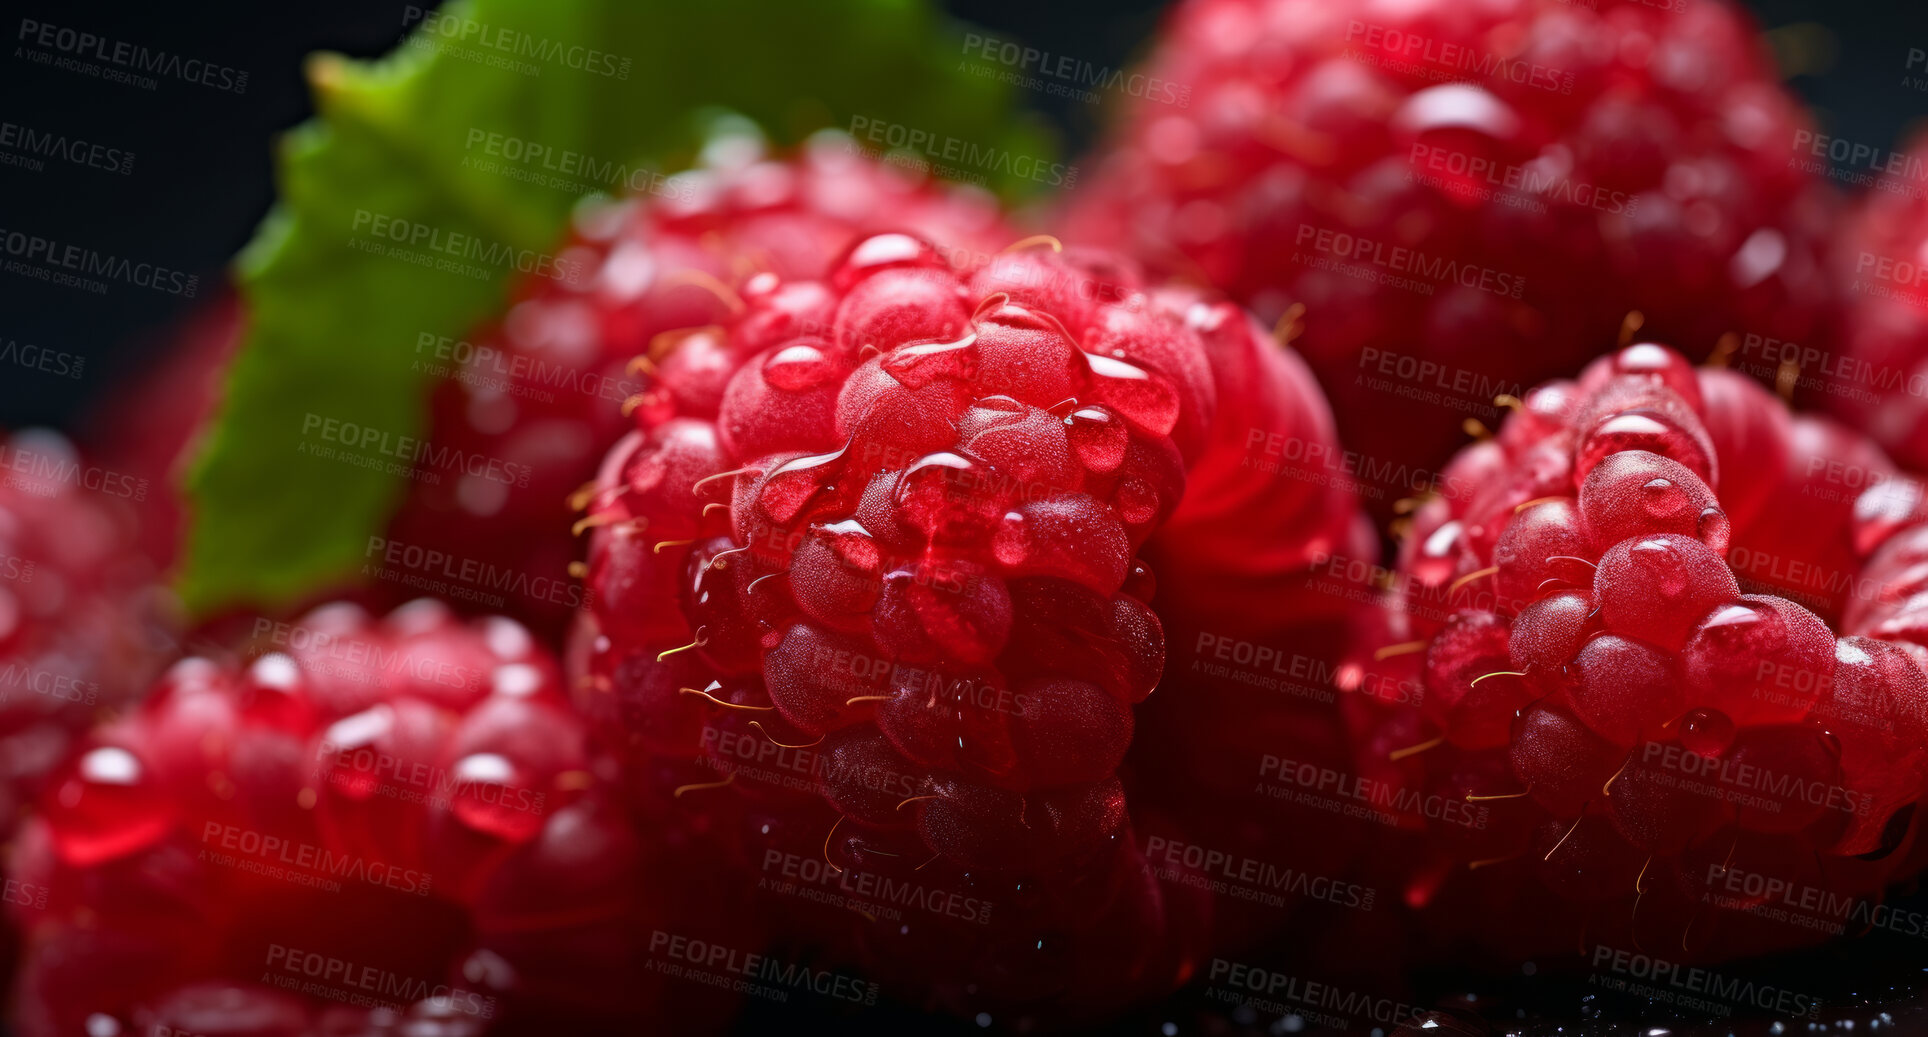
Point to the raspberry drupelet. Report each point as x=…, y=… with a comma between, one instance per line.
x=903, y=514
x=1446, y=202
x=374, y=826
x=1609, y=738
x=84, y=625
x=538, y=392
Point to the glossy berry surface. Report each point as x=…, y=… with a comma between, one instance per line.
x=881, y=591
x=355, y=819
x=1598, y=678
x=83, y=624
x=540, y=393
x=1878, y=380
x=1448, y=203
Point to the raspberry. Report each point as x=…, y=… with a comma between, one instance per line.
x=909, y=556
x=83, y=626
x=538, y=391
x=404, y=800
x=1438, y=232
x=1653, y=741
x=534, y=397
x=1879, y=382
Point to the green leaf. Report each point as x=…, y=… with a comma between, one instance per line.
x=279, y=509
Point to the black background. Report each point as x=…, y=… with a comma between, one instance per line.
x=203, y=174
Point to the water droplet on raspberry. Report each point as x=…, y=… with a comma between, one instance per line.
x=1028, y=356
x=1706, y=731
x=785, y=491
x=1651, y=361
x=106, y=805
x=1658, y=588
x=799, y=367
x=883, y=252
x=1144, y=398
x=932, y=610
x=836, y=575
x=494, y=797
x=898, y=306
x=1073, y=537
x=1641, y=430
x=1635, y=493
x=950, y=499
x=1098, y=436
x=1761, y=660
x=919, y=365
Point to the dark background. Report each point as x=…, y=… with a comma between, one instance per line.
x=203, y=177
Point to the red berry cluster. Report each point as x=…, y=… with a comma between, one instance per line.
x=901, y=510
x=1880, y=381
x=1452, y=200
x=81, y=627
x=1629, y=726
x=538, y=394
x=378, y=826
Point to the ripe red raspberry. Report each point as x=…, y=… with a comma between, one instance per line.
x=1451, y=202
x=534, y=399
x=540, y=392
x=83, y=627
x=1602, y=706
x=1879, y=383
x=908, y=549
x=373, y=813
